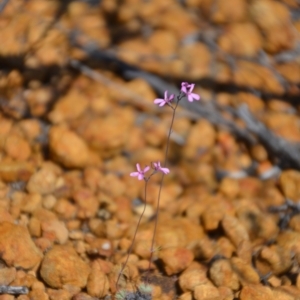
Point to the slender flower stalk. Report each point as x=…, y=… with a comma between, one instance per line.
x=186, y=91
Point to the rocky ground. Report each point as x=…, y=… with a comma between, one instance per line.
x=77, y=85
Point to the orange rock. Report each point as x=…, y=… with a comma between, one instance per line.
x=176, y=260
x=62, y=266
x=229, y=187
x=289, y=183
x=206, y=292
x=31, y=202
x=278, y=258
x=256, y=292
x=31, y=128
x=290, y=71
x=38, y=100
x=273, y=18
x=16, y=247
x=225, y=247
x=233, y=40
x=69, y=107
x=17, y=148
x=98, y=246
x=58, y=228
x=87, y=203
x=284, y=125
x=224, y=13
x=244, y=270
x=196, y=58
x=222, y=274
x=97, y=284
x=104, y=134
x=285, y=292
x=69, y=149
x=44, y=181
x=163, y=42
x=256, y=76
x=194, y=275
x=58, y=294
x=234, y=230
x=34, y=227
x=7, y=275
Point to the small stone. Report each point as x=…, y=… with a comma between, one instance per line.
x=206, y=291
x=234, y=35
x=176, y=260
x=283, y=295
x=229, y=187
x=62, y=266
x=7, y=297
x=17, y=148
x=256, y=292
x=104, y=134
x=65, y=209
x=278, y=258
x=194, y=275
x=60, y=294
x=34, y=227
x=202, y=136
x=57, y=228
x=234, y=230
x=97, y=246
x=244, y=270
x=290, y=184
x=82, y=296
x=87, y=203
x=221, y=274
x=44, y=181
x=31, y=128
x=69, y=107
x=31, y=202
x=186, y=296
x=69, y=149
x=226, y=293
x=24, y=279
x=225, y=247
x=222, y=13
x=15, y=171
x=97, y=284
x=17, y=248
x=7, y=275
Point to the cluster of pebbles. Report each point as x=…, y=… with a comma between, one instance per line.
x=69, y=138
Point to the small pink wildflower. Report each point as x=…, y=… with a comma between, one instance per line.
x=166, y=100
x=140, y=173
x=157, y=167
x=187, y=88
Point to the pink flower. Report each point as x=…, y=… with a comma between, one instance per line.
x=158, y=168
x=187, y=89
x=166, y=100
x=140, y=173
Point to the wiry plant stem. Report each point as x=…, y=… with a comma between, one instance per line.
x=179, y=97
x=135, y=232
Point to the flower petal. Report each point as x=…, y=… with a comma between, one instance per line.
x=195, y=96
x=140, y=176
x=157, y=101
x=134, y=174
x=165, y=170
